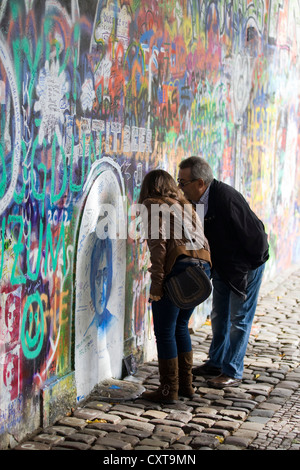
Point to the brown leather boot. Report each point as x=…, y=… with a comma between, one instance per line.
x=167, y=392
x=185, y=363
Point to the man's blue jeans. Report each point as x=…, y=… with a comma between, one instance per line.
x=231, y=321
x=171, y=324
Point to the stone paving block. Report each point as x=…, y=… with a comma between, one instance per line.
x=253, y=426
x=87, y=414
x=114, y=443
x=167, y=422
x=93, y=432
x=218, y=432
x=205, y=440
x=248, y=404
x=155, y=414
x=240, y=408
x=101, y=447
x=138, y=425
x=133, y=440
x=269, y=406
x=73, y=445
x=154, y=442
x=98, y=405
x=246, y=433
x=124, y=415
x=205, y=410
x=191, y=426
x=238, y=441
x=60, y=447
x=182, y=416
x=84, y=413
x=128, y=409
x=236, y=393
x=294, y=376
x=166, y=436
x=206, y=390
x=266, y=379
x=223, y=402
x=107, y=427
x=178, y=406
x=147, y=404
x=31, y=445
x=263, y=413
x=60, y=430
x=277, y=400
x=212, y=396
x=258, y=389
x=81, y=437
x=50, y=439
x=281, y=392
x=178, y=446
x=258, y=419
x=227, y=425
x=233, y=414
x=137, y=432
x=147, y=448
x=229, y=447
x=169, y=429
x=73, y=422
x=184, y=440
x=205, y=422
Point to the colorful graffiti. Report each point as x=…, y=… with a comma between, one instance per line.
x=135, y=85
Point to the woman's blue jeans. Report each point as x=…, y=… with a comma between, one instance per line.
x=231, y=321
x=171, y=324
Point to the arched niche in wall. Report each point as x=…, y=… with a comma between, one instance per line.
x=100, y=279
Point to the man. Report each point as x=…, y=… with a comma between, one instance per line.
x=239, y=249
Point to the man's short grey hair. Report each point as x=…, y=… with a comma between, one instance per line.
x=199, y=168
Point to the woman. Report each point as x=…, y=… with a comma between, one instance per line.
x=170, y=253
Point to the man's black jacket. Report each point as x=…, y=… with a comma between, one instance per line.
x=237, y=237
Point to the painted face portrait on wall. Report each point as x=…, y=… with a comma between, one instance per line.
x=101, y=276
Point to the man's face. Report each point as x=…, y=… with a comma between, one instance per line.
x=192, y=189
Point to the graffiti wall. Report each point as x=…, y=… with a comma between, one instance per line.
x=93, y=95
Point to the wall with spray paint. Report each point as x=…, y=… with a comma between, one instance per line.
x=94, y=94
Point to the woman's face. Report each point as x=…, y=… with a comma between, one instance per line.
x=101, y=283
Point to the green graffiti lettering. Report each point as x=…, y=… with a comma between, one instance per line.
x=33, y=66
x=49, y=246
x=18, y=248
x=19, y=197
x=56, y=197
x=4, y=174
x=2, y=245
x=30, y=274
x=41, y=166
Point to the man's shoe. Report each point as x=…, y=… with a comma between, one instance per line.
x=224, y=381
x=206, y=370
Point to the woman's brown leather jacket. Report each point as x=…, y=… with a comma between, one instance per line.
x=164, y=244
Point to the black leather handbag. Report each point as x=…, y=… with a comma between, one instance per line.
x=189, y=288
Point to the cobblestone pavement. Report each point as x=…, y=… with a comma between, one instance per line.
x=262, y=413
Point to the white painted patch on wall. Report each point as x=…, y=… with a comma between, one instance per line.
x=100, y=290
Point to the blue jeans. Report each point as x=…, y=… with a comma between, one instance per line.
x=231, y=321
x=171, y=324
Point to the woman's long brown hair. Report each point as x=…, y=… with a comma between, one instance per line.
x=160, y=184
